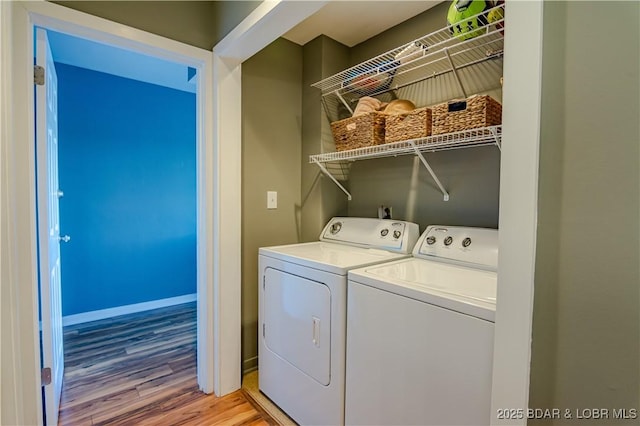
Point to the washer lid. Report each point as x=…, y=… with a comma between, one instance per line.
x=330, y=257
x=463, y=289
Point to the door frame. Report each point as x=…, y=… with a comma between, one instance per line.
x=21, y=200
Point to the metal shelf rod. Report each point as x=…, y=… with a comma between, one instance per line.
x=337, y=92
x=455, y=72
x=433, y=75
x=433, y=175
x=498, y=139
x=326, y=172
x=437, y=74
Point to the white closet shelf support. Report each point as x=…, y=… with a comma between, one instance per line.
x=483, y=136
x=425, y=163
x=326, y=172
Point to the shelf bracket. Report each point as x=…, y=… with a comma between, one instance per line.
x=326, y=172
x=498, y=138
x=343, y=101
x=455, y=72
x=430, y=170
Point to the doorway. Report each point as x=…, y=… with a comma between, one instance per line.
x=127, y=195
x=127, y=151
x=127, y=168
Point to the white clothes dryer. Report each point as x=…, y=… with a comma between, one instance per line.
x=420, y=333
x=302, y=312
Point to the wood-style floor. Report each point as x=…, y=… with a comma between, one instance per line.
x=140, y=369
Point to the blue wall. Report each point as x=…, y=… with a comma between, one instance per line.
x=127, y=159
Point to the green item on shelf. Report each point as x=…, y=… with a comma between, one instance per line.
x=465, y=17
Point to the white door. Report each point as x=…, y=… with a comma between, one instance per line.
x=49, y=226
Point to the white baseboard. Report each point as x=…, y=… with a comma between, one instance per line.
x=249, y=365
x=127, y=309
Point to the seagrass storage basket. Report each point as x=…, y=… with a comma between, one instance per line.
x=358, y=132
x=465, y=114
x=412, y=125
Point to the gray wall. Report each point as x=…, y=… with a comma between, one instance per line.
x=228, y=14
x=198, y=23
x=411, y=29
x=321, y=198
x=471, y=176
x=586, y=328
x=545, y=317
x=271, y=151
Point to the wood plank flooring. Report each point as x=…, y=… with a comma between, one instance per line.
x=140, y=369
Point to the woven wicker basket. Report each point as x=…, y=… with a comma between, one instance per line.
x=474, y=112
x=413, y=125
x=357, y=132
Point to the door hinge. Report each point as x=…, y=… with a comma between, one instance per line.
x=263, y=282
x=38, y=75
x=263, y=330
x=45, y=376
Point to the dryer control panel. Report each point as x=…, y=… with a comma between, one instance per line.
x=477, y=247
x=386, y=234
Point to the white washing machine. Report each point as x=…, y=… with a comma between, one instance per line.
x=302, y=312
x=420, y=333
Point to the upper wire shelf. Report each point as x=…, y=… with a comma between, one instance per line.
x=432, y=55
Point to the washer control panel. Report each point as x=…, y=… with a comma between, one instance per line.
x=477, y=246
x=386, y=234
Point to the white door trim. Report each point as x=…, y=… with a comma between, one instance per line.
x=518, y=209
x=265, y=24
x=19, y=205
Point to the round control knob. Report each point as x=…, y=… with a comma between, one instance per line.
x=431, y=240
x=396, y=234
x=466, y=242
x=384, y=232
x=448, y=241
x=335, y=228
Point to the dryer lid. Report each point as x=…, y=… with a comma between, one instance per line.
x=329, y=257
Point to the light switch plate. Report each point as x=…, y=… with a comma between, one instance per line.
x=272, y=200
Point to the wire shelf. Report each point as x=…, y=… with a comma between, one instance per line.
x=465, y=139
x=427, y=70
x=430, y=56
